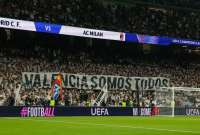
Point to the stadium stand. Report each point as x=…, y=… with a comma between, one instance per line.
x=95, y=67
x=80, y=59
x=180, y=66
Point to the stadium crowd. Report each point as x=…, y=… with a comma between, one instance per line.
x=178, y=3
x=164, y=18
x=15, y=61
x=118, y=16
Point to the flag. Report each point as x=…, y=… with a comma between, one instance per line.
x=56, y=90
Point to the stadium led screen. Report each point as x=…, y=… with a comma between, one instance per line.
x=93, y=33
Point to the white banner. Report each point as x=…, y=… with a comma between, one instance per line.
x=92, y=33
x=17, y=24
x=44, y=80
x=60, y=29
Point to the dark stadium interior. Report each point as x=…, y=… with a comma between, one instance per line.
x=22, y=51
